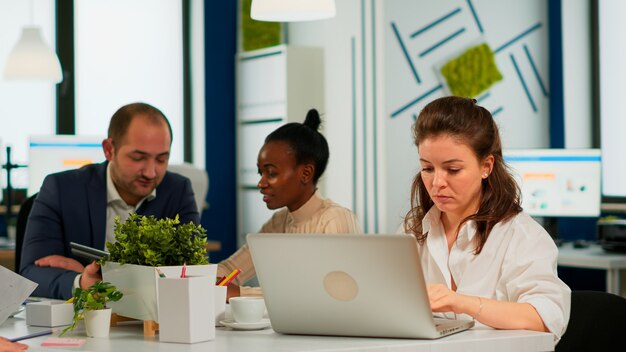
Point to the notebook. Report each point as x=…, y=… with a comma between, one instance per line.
x=346, y=285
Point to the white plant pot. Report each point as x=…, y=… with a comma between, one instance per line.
x=98, y=322
x=139, y=285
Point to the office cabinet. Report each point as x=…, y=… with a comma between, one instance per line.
x=275, y=86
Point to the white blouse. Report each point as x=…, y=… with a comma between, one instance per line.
x=517, y=264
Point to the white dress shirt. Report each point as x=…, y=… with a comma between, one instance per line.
x=117, y=207
x=517, y=264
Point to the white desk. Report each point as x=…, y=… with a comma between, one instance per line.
x=130, y=338
x=594, y=257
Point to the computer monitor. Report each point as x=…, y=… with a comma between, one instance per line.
x=558, y=182
x=49, y=154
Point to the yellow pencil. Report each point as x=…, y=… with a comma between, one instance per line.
x=228, y=278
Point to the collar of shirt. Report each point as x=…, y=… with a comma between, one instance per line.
x=307, y=210
x=451, y=263
x=113, y=195
x=433, y=218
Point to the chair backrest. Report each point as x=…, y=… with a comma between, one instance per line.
x=596, y=322
x=20, y=228
x=199, y=181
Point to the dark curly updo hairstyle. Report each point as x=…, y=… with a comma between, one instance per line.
x=307, y=143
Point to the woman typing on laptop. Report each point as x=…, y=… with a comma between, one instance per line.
x=290, y=163
x=481, y=254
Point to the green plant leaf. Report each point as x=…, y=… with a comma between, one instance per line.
x=144, y=240
x=93, y=298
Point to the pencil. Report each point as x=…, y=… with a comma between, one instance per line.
x=228, y=278
x=30, y=336
x=184, y=271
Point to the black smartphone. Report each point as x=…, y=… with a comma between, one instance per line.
x=87, y=252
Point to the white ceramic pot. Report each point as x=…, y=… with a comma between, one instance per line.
x=98, y=322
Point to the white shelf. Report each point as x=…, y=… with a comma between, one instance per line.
x=275, y=86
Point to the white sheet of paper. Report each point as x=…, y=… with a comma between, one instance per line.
x=14, y=289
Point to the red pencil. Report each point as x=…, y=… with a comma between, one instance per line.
x=184, y=271
x=228, y=278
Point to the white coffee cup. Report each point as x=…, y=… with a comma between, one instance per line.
x=219, y=293
x=247, y=310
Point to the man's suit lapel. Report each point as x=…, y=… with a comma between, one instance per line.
x=97, y=201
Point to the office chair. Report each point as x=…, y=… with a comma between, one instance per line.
x=596, y=323
x=20, y=228
x=199, y=182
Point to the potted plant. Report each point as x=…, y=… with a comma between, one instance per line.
x=143, y=243
x=91, y=305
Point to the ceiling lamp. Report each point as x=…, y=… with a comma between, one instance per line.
x=32, y=59
x=292, y=10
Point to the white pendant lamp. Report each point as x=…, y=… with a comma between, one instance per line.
x=32, y=59
x=292, y=10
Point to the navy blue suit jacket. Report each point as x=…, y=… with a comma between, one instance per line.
x=71, y=207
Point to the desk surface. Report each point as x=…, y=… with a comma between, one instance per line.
x=592, y=257
x=130, y=338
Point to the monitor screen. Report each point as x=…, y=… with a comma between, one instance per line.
x=558, y=182
x=49, y=154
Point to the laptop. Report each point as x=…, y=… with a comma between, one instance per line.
x=346, y=285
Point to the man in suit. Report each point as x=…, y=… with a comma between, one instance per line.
x=81, y=205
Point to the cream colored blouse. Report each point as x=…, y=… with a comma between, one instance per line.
x=317, y=215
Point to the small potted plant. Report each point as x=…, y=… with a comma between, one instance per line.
x=143, y=243
x=91, y=305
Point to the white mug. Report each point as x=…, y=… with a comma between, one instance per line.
x=219, y=292
x=247, y=310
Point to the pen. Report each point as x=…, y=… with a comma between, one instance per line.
x=32, y=299
x=30, y=336
x=161, y=275
x=184, y=271
x=228, y=278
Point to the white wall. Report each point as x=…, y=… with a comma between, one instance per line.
x=197, y=83
x=368, y=80
x=577, y=75
x=340, y=38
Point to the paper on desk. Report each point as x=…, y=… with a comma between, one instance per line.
x=14, y=289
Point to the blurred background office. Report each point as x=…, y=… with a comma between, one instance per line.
x=224, y=81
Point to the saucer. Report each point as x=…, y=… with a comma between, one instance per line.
x=264, y=323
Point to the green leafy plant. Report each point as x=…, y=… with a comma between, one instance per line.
x=93, y=298
x=150, y=241
x=257, y=34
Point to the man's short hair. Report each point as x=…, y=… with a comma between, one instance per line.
x=125, y=115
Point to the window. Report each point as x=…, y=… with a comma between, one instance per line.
x=28, y=107
x=128, y=51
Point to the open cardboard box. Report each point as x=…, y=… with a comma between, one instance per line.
x=139, y=284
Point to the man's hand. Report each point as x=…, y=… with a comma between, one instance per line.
x=60, y=262
x=91, y=274
x=8, y=346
